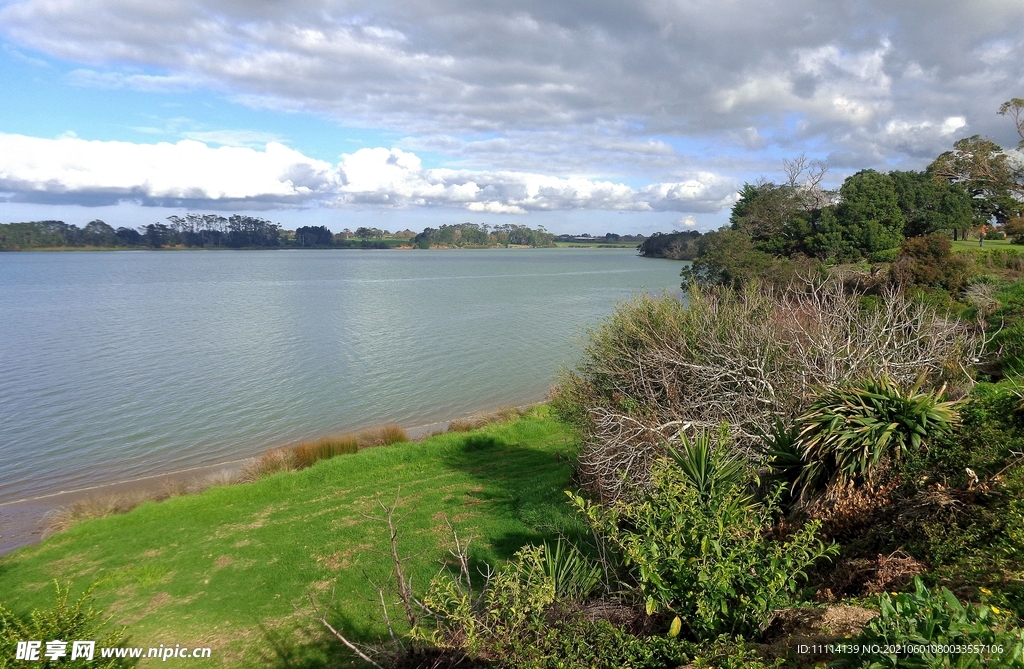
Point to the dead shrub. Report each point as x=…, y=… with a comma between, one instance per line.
x=95, y=506
x=846, y=509
x=866, y=576
x=475, y=422
x=659, y=366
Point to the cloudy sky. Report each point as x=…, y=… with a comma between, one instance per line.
x=590, y=116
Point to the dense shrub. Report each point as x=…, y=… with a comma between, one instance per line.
x=930, y=261
x=940, y=632
x=492, y=623
x=886, y=255
x=745, y=357
x=729, y=258
x=697, y=542
x=66, y=621
x=579, y=642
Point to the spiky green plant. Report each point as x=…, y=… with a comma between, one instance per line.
x=707, y=465
x=850, y=429
x=782, y=453
x=575, y=576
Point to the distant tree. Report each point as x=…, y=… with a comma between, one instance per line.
x=98, y=233
x=158, y=235
x=674, y=245
x=129, y=237
x=1014, y=109
x=313, y=236
x=369, y=233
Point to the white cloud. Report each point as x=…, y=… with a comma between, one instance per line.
x=134, y=81
x=37, y=168
x=185, y=170
x=601, y=79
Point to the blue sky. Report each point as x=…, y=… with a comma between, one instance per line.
x=623, y=117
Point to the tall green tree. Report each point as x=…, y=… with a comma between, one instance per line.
x=869, y=214
x=982, y=168
x=931, y=205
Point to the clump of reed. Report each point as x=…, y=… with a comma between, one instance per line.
x=383, y=435
x=477, y=421
x=308, y=453
x=268, y=463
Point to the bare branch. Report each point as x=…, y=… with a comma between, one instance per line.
x=747, y=358
x=321, y=617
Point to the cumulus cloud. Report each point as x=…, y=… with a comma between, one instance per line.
x=61, y=169
x=186, y=170
x=592, y=77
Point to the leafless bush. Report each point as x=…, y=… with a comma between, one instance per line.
x=658, y=366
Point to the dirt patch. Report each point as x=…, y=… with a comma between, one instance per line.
x=242, y=543
x=340, y=559
x=869, y=576
x=159, y=600
x=223, y=561
x=812, y=627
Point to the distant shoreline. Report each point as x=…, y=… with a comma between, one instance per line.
x=396, y=247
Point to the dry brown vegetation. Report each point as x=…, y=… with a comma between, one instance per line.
x=308, y=453
x=660, y=366
x=480, y=420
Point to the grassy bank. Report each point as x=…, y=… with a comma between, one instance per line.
x=224, y=568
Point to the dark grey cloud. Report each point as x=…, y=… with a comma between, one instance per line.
x=600, y=89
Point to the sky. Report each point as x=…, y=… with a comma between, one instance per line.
x=583, y=117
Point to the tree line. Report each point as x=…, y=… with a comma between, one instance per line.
x=237, y=231
x=461, y=235
x=192, y=231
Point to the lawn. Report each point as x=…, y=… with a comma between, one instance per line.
x=224, y=568
x=989, y=243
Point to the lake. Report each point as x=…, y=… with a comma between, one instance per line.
x=118, y=365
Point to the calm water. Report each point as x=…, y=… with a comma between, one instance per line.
x=124, y=364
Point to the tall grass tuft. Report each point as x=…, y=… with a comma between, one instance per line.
x=475, y=422
x=309, y=453
x=271, y=462
x=384, y=435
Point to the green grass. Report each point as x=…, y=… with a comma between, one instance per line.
x=223, y=568
x=972, y=244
